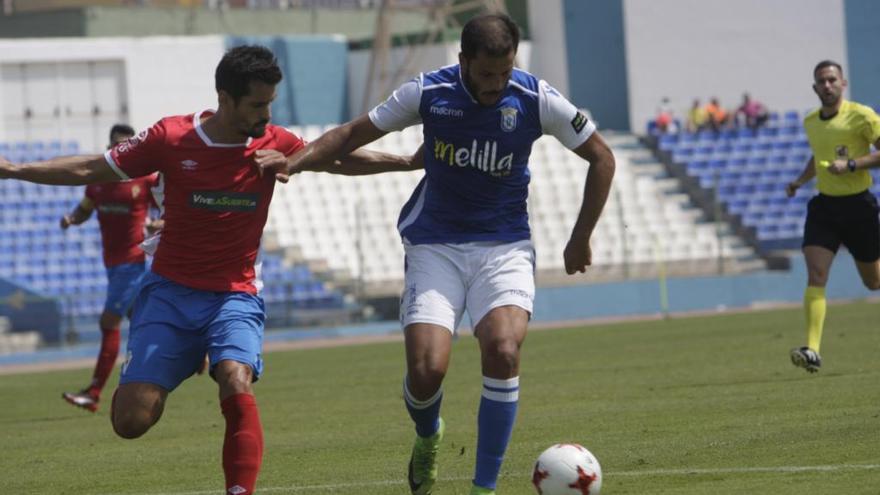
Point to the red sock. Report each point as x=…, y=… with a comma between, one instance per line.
x=243, y=445
x=106, y=360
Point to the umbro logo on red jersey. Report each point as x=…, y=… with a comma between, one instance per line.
x=189, y=165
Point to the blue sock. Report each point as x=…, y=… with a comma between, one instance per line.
x=425, y=413
x=495, y=421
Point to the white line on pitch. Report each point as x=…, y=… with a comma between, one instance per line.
x=647, y=472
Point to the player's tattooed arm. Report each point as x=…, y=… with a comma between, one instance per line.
x=61, y=171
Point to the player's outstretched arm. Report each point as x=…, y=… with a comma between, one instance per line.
x=595, y=150
x=335, y=144
x=367, y=162
x=61, y=171
x=358, y=162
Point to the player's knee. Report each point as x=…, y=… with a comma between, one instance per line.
x=872, y=284
x=818, y=277
x=129, y=426
x=233, y=378
x=428, y=372
x=503, y=354
x=135, y=410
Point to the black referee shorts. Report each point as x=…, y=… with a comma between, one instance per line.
x=849, y=220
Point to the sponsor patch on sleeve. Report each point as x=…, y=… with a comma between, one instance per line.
x=579, y=122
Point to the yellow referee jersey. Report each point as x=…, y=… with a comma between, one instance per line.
x=848, y=134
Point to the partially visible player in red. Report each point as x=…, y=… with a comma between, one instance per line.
x=201, y=294
x=122, y=209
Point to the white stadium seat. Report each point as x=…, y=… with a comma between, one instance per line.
x=327, y=217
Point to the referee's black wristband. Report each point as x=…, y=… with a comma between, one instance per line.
x=851, y=165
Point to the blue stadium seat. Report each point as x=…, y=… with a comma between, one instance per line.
x=792, y=116
x=742, y=147
x=745, y=132
x=765, y=132
x=707, y=135
x=790, y=130
x=682, y=155
x=687, y=137
x=70, y=148
x=722, y=148
x=667, y=141
x=767, y=231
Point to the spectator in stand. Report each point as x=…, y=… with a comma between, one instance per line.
x=752, y=113
x=717, y=115
x=665, y=120
x=698, y=118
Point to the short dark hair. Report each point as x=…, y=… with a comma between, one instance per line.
x=124, y=129
x=827, y=63
x=496, y=35
x=242, y=65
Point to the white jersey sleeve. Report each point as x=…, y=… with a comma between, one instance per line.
x=401, y=109
x=560, y=118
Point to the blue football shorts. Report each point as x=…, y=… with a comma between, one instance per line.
x=123, y=284
x=174, y=326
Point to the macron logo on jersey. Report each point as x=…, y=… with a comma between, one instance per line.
x=446, y=112
x=189, y=165
x=223, y=201
x=481, y=156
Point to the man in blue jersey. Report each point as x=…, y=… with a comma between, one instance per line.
x=465, y=229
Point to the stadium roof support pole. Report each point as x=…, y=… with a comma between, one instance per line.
x=439, y=16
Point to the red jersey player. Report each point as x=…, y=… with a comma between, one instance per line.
x=122, y=213
x=200, y=295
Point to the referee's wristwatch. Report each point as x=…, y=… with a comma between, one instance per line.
x=851, y=165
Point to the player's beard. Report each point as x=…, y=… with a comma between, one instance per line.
x=258, y=130
x=474, y=90
x=831, y=100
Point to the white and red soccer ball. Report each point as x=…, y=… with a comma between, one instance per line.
x=567, y=469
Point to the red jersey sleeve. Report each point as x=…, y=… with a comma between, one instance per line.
x=288, y=142
x=90, y=192
x=140, y=155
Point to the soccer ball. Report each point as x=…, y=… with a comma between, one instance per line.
x=567, y=469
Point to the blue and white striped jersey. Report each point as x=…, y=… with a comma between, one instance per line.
x=476, y=157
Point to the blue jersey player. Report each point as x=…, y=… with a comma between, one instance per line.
x=465, y=229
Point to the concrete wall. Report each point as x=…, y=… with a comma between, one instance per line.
x=597, y=60
x=701, y=48
x=127, y=21
x=164, y=75
x=549, y=59
x=862, y=40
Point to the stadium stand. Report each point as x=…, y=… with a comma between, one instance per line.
x=348, y=224
x=37, y=255
x=746, y=172
x=332, y=239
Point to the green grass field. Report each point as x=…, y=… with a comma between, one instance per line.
x=703, y=405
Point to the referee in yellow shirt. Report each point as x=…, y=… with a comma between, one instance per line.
x=844, y=212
